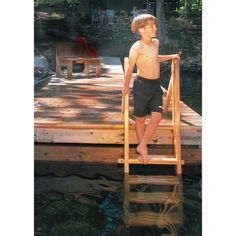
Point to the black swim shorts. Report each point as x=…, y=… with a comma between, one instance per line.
x=147, y=96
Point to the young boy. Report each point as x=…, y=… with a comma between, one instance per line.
x=147, y=92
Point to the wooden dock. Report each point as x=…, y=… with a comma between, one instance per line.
x=87, y=110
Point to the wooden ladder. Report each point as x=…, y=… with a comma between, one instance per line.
x=164, y=192
x=174, y=93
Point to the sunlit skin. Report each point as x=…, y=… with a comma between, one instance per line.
x=145, y=54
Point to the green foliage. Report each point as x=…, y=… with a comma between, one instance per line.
x=48, y=2
x=184, y=35
x=190, y=7
x=71, y=3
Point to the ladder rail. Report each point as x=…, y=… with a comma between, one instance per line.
x=176, y=113
x=126, y=133
x=171, y=200
x=125, y=108
x=172, y=93
x=169, y=94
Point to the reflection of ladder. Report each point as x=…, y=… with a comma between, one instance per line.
x=174, y=92
x=167, y=200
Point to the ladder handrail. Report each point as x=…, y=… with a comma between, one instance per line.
x=169, y=90
x=169, y=93
x=174, y=93
x=176, y=111
x=125, y=109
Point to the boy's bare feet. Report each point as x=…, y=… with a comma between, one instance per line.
x=142, y=150
x=139, y=157
x=147, y=159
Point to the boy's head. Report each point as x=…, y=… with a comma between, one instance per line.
x=141, y=21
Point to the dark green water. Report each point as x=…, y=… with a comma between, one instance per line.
x=85, y=205
x=190, y=88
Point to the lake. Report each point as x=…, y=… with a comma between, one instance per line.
x=70, y=202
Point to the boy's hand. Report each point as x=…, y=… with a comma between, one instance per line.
x=125, y=91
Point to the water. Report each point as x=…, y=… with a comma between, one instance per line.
x=190, y=88
x=97, y=203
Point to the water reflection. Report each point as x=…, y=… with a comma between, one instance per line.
x=130, y=205
x=154, y=201
x=81, y=189
x=74, y=205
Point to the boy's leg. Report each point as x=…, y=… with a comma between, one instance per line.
x=140, y=129
x=150, y=130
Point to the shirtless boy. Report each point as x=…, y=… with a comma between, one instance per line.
x=147, y=92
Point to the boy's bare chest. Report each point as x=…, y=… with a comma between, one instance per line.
x=148, y=53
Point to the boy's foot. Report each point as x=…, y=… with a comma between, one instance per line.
x=139, y=157
x=142, y=150
x=147, y=160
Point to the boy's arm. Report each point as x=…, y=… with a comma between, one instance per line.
x=162, y=58
x=128, y=73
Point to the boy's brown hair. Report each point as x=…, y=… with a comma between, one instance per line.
x=142, y=20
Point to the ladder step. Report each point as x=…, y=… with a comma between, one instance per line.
x=153, y=179
x=155, y=197
x=150, y=218
x=154, y=159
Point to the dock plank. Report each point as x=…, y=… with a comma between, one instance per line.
x=88, y=110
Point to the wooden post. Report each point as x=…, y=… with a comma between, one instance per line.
x=58, y=64
x=173, y=91
x=126, y=133
x=126, y=124
x=98, y=69
x=86, y=69
x=169, y=94
x=180, y=192
x=176, y=113
x=69, y=64
x=126, y=200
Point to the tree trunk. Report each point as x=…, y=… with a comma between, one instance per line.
x=161, y=34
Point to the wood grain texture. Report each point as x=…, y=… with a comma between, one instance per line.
x=66, y=108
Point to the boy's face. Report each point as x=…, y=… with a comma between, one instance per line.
x=149, y=30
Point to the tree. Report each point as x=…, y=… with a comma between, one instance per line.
x=161, y=19
x=191, y=6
